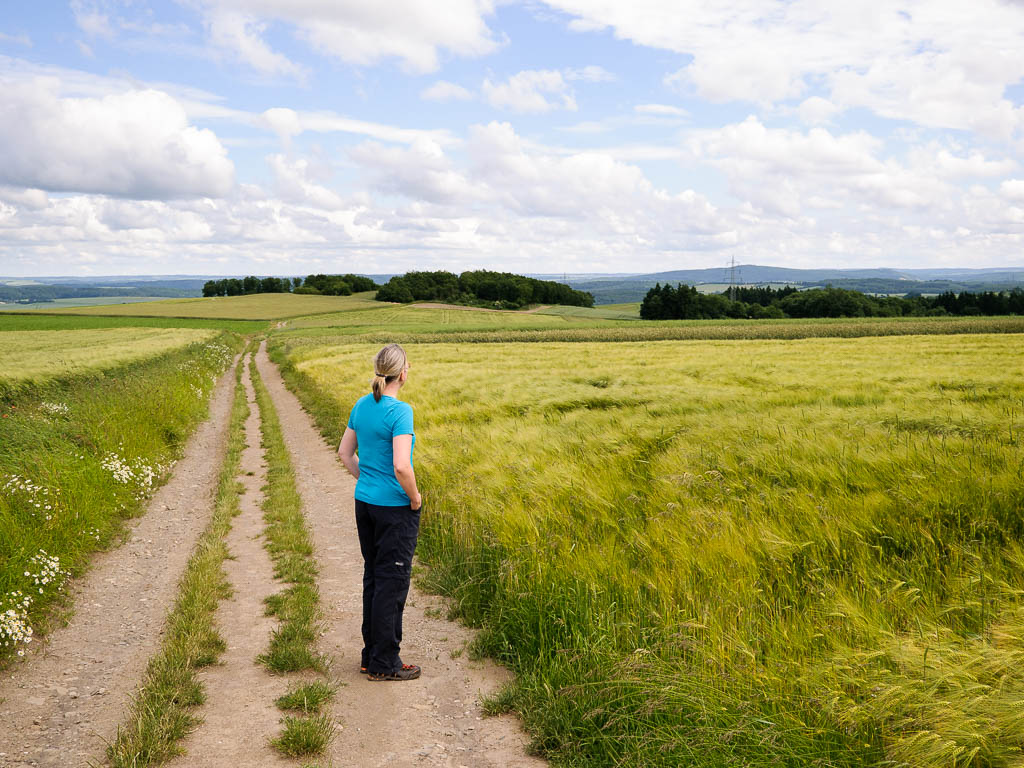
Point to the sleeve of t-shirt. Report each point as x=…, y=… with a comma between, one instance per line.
x=403, y=421
x=352, y=417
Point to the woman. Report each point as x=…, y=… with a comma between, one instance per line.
x=387, y=511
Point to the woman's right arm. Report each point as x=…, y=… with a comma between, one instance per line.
x=347, y=451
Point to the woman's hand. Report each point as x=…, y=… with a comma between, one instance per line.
x=416, y=502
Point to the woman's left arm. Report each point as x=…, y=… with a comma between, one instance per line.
x=347, y=452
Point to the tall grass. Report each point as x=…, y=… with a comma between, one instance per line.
x=80, y=455
x=729, y=553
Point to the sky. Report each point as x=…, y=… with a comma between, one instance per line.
x=221, y=137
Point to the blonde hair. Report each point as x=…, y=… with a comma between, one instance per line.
x=388, y=365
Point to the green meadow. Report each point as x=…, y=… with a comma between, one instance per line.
x=745, y=552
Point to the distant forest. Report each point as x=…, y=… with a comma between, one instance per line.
x=502, y=290
x=35, y=294
x=685, y=302
x=317, y=285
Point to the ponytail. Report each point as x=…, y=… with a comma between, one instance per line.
x=388, y=365
x=379, y=383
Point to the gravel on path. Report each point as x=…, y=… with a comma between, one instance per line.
x=433, y=721
x=63, y=704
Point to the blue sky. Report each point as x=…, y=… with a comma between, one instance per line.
x=288, y=136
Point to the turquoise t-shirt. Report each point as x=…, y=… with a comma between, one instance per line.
x=375, y=424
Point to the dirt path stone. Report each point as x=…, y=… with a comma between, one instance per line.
x=63, y=705
x=239, y=714
x=433, y=721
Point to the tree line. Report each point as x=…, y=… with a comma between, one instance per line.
x=325, y=285
x=502, y=290
x=685, y=302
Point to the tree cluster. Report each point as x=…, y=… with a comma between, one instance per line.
x=984, y=303
x=685, y=302
x=328, y=285
x=503, y=290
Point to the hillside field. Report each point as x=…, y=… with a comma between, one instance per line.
x=42, y=354
x=764, y=552
x=265, y=306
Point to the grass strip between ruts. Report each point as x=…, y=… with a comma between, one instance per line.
x=161, y=712
x=293, y=643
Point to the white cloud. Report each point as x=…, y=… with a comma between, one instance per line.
x=421, y=171
x=33, y=199
x=591, y=74
x=781, y=170
x=288, y=123
x=367, y=33
x=536, y=193
x=91, y=20
x=21, y=39
x=660, y=110
x=1013, y=189
x=132, y=144
x=243, y=35
x=816, y=110
x=444, y=91
x=941, y=64
x=297, y=183
x=529, y=91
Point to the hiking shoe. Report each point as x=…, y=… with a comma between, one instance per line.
x=363, y=670
x=407, y=672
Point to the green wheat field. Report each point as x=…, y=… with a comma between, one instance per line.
x=773, y=552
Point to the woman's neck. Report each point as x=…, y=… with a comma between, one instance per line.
x=391, y=390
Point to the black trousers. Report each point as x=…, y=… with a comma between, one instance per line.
x=387, y=539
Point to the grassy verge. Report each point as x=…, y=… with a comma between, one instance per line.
x=161, y=713
x=293, y=643
x=80, y=455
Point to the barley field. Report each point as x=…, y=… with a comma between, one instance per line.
x=411, y=318
x=716, y=553
x=41, y=354
x=262, y=306
x=418, y=324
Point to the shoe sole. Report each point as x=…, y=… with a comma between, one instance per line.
x=393, y=678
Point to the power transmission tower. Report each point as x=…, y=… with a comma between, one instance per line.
x=733, y=279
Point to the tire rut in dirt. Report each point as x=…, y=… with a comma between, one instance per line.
x=239, y=716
